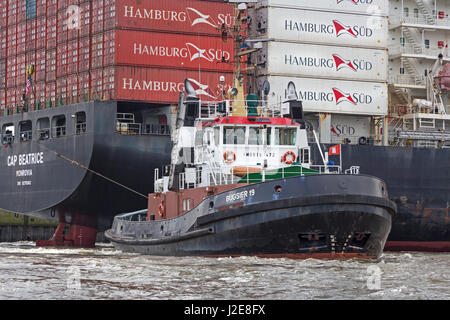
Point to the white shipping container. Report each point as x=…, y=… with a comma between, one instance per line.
x=344, y=127
x=329, y=96
x=322, y=27
x=348, y=127
x=370, y=7
x=284, y=58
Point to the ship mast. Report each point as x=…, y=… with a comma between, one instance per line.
x=237, y=93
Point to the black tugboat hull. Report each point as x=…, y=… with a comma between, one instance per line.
x=334, y=223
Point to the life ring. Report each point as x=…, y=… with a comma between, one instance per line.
x=284, y=158
x=229, y=157
x=161, y=210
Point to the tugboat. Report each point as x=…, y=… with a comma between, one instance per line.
x=241, y=183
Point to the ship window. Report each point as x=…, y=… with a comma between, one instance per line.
x=255, y=136
x=58, y=126
x=198, y=138
x=43, y=128
x=305, y=155
x=80, y=122
x=216, y=135
x=406, y=12
x=427, y=44
x=285, y=136
x=8, y=133
x=25, y=129
x=186, y=204
x=268, y=135
x=234, y=135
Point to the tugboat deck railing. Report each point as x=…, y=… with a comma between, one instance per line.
x=216, y=177
x=257, y=108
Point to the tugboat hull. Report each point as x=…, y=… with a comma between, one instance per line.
x=298, y=222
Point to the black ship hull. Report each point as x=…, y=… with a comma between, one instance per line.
x=79, y=172
x=418, y=180
x=325, y=216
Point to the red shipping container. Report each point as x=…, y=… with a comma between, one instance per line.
x=52, y=9
x=39, y=88
x=41, y=32
x=3, y=42
x=62, y=5
x=10, y=81
x=31, y=35
x=85, y=22
x=185, y=16
x=2, y=101
x=109, y=81
x=84, y=54
x=51, y=65
x=21, y=69
x=22, y=11
x=3, y=13
x=11, y=97
x=12, y=17
x=2, y=80
x=97, y=16
x=109, y=48
x=41, y=8
x=96, y=83
x=62, y=60
x=21, y=37
x=173, y=51
x=40, y=65
x=12, y=41
x=61, y=88
x=83, y=85
x=97, y=51
x=72, y=57
x=164, y=85
x=11, y=66
x=50, y=92
x=72, y=87
x=51, y=32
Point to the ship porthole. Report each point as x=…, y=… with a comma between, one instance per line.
x=277, y=189
x=211, y=204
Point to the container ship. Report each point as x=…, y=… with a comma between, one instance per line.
x=86, y=93
x=371, y=76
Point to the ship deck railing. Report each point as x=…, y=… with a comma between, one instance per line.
x=248, y=108
x=138, y=216
x=196, y=177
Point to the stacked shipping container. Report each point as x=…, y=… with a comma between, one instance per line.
x=112, y=49
x=335, y=52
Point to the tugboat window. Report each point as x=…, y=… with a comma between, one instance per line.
x=58, y=126
x=285, y=136
x=8, y=133
x=234, y=135
x=43, y=128
x=80, y=122
x=25, y=130
x=255, y=136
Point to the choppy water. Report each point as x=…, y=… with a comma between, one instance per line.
x=28, y=272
